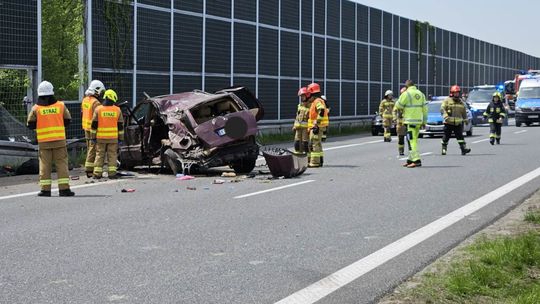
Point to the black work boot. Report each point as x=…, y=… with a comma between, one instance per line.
x=443, y=149
x=89, y=174
x=322, y=161
x=44, y=193
x=401, y=151
x=306, y=147
x=492, y=141
x=297, y=146
x=66, y=192
x=464, y=150
x=498, y=141
x=113, y=176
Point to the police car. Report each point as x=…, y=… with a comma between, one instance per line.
x=435, y=125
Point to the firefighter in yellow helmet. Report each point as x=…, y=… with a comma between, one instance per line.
x=495, y=113
x=300, y=127
x=107, y=133
x=90, y=102
x=386, y=108
x=317, y=123
x=49, y=117
x=401, y=129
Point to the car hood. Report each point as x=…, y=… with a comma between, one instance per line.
x=480, y=105
x=528, y=102
x=434, y=118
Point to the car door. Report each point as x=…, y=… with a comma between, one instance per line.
x=132, y=150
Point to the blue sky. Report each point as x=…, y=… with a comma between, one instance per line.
x=495, y=21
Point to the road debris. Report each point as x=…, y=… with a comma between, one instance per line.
x=185, y=177
x=219, y=181
x=75, y=178
x=228, y=174
x=191, y=188
x=128, y=190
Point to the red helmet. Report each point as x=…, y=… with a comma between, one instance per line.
x=303, y=91
x=314, y=88
x=455, y=89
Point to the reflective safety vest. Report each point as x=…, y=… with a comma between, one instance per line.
x=108, y=117
x=302, y=113
x=413, y=105
x=316, y=106
x=50, y=122
x=87, y=113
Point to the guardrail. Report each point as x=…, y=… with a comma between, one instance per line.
x=285, y=125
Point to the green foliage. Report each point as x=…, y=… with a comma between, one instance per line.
x=533, y=216
x=13, y=86
x=62, y=33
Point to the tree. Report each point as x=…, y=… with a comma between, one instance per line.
x=62, y=26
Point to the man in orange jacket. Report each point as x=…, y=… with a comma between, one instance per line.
x=107, y=132
x=317, y=123
x=49, y=117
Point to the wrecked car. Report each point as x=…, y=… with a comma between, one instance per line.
x=193, y=130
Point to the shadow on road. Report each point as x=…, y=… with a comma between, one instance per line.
x=440, y=167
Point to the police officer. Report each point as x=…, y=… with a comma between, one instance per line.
x=107, y=132
x=90, y=102
x=495, y=113
x=454, y=114
x=412, y=103
x=300, y=127
x=386, y=107
x=317, y=123
x=49, y=117
x=401, y=129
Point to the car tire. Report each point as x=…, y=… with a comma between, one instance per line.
x=528, y=124
x=469, y=133
x=244, y=166
x=374, y=132
x=420, y=135
x=518, y=124
x=174, y=163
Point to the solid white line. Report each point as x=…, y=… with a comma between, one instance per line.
x=479, y=141
x=346, y=275
x=519, y=132
x=274, y=189
x=422, y=154
x=56, y=189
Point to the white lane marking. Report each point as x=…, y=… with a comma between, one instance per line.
x=422, y=154
x=519, y=132
x=346, y=275
x=479, y=141
x=54, y=190
x=353, y=145
x=274, y=189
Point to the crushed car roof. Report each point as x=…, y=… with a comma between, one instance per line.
x=185, y=100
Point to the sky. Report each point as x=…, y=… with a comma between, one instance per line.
x=494, y=21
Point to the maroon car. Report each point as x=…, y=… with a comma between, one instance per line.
x=194, y=130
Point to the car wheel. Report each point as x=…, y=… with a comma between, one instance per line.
x=469, y=133
x=518, y=124
x=420, y=135
x=528, y=124
x=244, y=166
x=374, y=132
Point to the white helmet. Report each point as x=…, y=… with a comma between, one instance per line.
x=96, y=87
x=388, y=93
x=45, y=88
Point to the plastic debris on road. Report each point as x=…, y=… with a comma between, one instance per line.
x=228, y=174
x=74, y=178
x=185, y=177
x=128, y=190
x=191, y=188
x=219, y=181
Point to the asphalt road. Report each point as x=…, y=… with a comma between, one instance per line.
x=167, y=244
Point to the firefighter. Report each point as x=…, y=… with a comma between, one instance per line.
x=301, y=136
x=401, y=129
x=325, y=133
x=317, y=123
x=90, y=102
x=386, y=108
x=49, y=117
x=454, y=112
x=412, y=103
x=495, y=113
x=107, y=133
